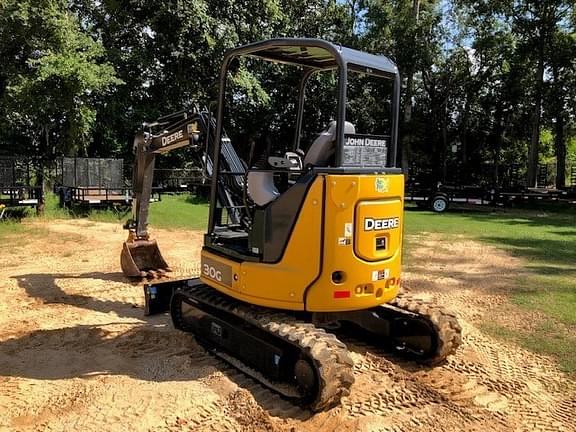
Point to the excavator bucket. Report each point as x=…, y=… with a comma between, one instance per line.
x=142, y=258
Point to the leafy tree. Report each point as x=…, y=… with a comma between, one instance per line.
x=406, y=31
x=561, y=107
x=490, y=77
x=537, y=22
x=533, y=24
x=52, y=76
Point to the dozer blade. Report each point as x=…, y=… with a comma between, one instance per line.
x=142, y=258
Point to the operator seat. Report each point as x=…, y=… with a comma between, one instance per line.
x=261, y=186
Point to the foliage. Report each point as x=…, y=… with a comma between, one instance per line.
x=52, y=77
x=490, y=77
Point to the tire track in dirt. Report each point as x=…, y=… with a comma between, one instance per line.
x=390, y=387
x=525, y=387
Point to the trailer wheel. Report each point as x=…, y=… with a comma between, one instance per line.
x=439, y=204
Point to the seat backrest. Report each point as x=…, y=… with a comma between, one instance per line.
x=323, y=148
x=261, y=187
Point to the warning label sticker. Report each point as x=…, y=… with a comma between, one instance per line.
x=365, y=150
x=348, y=228
x=380, y=274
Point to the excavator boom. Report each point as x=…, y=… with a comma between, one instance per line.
x=141, y=256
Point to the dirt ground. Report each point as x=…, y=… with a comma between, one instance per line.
x=76, y=352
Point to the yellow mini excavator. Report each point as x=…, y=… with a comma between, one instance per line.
x=303, y=240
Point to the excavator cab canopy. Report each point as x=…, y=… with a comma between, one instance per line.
x=317, y=55
x=337, y=149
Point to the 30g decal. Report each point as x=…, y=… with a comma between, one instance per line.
x=217, y=271
x=211, y=272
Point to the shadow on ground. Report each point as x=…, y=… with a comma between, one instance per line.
x=148, y=348
x=534, y=218
x=557, y=251
x=43, y=286
x=151, y=352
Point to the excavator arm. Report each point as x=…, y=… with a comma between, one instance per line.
x=141, y=256
x=179, y=134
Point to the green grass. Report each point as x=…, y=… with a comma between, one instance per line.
x=546, y=339
x=14, y=234
x=172, y=212
x=546, y=242
x=179, y=211
x=52, y=210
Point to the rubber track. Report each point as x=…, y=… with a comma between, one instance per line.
x=445, y=323
x=332, y=361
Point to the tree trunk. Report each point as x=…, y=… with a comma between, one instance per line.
x=542, y=12
x=445, y=149
x=463, y=134
x=559, y=135
x=407, y=138
x=498, y=140
x=560, y=145
x=535, y=132
x=41, y=167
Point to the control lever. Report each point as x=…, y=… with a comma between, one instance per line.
x=290, y=161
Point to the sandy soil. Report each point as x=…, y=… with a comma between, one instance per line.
x=76, y=352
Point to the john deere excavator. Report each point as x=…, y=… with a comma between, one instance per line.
x=303, y=240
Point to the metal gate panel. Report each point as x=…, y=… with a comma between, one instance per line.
x=93, y=172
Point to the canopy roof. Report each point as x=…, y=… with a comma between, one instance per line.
x=317, y=54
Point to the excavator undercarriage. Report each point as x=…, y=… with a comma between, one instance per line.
x=299, y=355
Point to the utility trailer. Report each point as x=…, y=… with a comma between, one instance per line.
x=17, y=176
x=93, y=182
x=179, y=180
x=441, y=197
x=96, y=195
x=534, y=196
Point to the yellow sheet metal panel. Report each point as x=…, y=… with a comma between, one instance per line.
x=378, y=234
x=365, y=276
x=279, y=285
